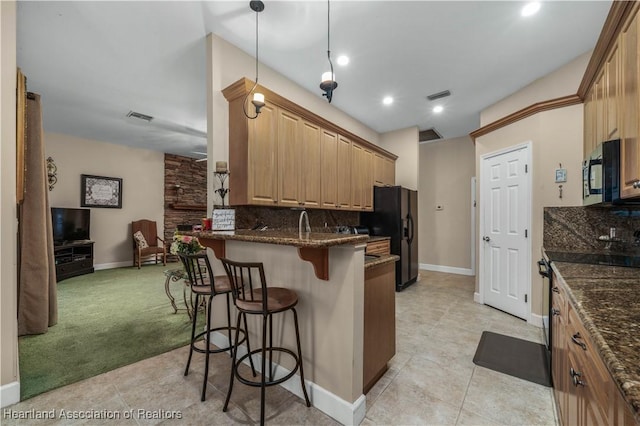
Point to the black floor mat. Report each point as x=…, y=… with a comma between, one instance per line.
x=515, y=357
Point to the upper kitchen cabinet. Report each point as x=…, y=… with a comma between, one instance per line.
x=629, y=149
x=384, y=170
x=344, y=163
x=610, y=93
x=290, y=157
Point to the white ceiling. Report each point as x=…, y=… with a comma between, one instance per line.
x=93, y=62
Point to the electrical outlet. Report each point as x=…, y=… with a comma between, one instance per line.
x=439, y=207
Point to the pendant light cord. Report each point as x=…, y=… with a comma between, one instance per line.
x=244, y=103
x=329, y=37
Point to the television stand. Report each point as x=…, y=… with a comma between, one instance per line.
x=73, y=258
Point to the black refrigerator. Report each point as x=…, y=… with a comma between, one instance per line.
x=395, y=215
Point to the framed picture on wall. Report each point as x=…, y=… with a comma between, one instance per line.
x=100, y=191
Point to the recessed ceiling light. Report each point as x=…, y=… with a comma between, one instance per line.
x=438, y=108
x=388, y=100
x=530, y=9
x=343, y=60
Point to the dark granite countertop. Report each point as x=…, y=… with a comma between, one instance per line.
x=381, y=260
x=313, y=239
x=607, y=299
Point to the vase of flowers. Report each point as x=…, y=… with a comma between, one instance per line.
x=185, y=244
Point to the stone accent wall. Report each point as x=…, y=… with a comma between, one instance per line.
x=185, y=186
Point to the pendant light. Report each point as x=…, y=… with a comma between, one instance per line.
x=328, y=83
x=258, y=98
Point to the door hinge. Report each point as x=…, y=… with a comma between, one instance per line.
x=526, y=168
x=526, y=233
x=525, y=298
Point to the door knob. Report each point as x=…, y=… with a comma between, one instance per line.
x=485, y=238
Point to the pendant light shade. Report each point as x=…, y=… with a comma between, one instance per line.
x=328, y=83
x=258, y=98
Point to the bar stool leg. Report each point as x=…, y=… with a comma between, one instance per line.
x=193, y=333
x=304, y=387
x=207, y=344
x=263, y=386
x=271, y=348
x=246, y=330
x=229, y=322
x=234, y=356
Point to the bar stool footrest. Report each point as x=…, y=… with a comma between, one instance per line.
x=200, y=337
x=256, y=383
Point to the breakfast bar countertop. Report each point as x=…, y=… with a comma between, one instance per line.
x=607, y=300
x=290, y=238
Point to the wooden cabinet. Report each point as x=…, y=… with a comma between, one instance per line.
x=367, y=180
x=73, y=259
x=599, y=106
x=379, y=344
x=311, y=165
x=612, y=94
x=343, y=193
x=589, y=121
x=379, y=248
x=384, y=171
x=329, y=167
x=262, y=157
x=584, y=390
x=289, y=157
x=629, y=147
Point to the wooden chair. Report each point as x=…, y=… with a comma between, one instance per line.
x=149, y=231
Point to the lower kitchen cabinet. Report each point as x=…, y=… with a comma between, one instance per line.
x=379, y=322
x=584, y=390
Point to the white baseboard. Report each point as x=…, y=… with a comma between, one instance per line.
x=332, y=405
x=538, y=320
x=447, y=269
x=9, y=394
x=477, y=297
x=112, y=265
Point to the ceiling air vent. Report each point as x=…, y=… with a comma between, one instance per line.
x=140, y=116
x=429, y=135
x=439, y=95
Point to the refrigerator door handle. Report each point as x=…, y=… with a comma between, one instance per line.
x=410, y=220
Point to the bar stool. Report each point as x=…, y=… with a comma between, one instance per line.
x=205, y=285
x=252, y=296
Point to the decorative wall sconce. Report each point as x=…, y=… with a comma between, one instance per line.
x=52, y=173
x=258, y=98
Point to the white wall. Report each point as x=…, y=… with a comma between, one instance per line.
x=9, y=386
x=404, y=143
x=444, y=236
x=142, y=173
x=562, y=82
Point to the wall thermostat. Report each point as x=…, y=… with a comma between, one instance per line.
x=561, y=175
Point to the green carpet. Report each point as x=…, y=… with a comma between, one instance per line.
x=106, y=320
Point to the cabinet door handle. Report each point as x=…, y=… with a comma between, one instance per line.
x=555, y=311
x=575, y=340
x=575, y=377
x=555, y=290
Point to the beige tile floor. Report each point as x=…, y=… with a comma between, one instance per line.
x=431, y=380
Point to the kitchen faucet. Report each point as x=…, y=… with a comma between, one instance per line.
x=307, y=228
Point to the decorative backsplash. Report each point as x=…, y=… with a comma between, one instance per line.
x=579, y=228
x=284, y=218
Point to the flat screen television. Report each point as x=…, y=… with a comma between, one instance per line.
x=70, y=224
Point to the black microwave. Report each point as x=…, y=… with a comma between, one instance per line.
x=601, y=175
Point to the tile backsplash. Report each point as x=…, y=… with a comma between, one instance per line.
x=286, y=218
x=578, y=228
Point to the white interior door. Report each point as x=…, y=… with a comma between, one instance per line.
x=505, y=217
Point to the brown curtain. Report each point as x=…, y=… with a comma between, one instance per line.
x=37, y=303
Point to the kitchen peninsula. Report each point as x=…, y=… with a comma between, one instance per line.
x=331, y=306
